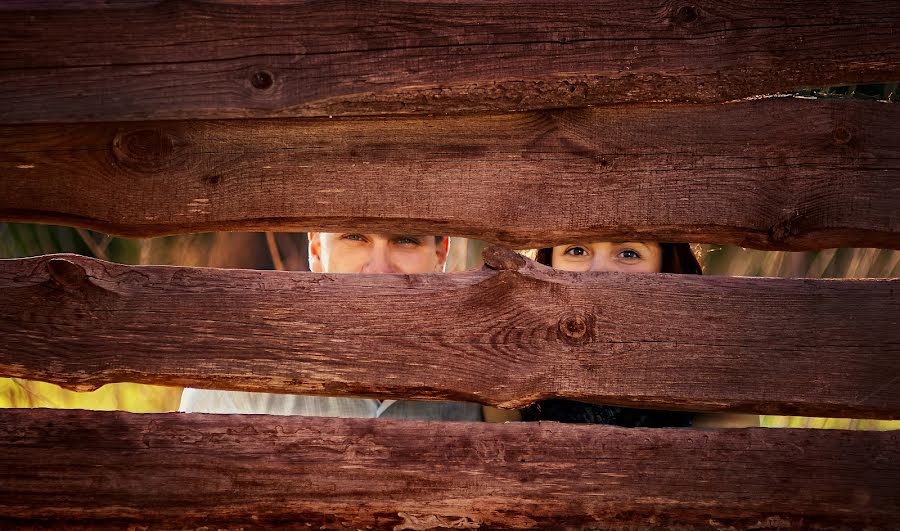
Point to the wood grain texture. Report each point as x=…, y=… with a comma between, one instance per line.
x=173, y=470
x=180, y=59
x=504, y=338
x=772, y=174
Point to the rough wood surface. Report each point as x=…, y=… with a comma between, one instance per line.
x=238, y=59
x=503, y=337
x=774, y=174
x=173, y=470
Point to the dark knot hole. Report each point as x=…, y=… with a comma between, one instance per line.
x=262, y=80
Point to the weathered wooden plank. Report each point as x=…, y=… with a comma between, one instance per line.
x=91, y=468
x=242, y=59
x=504, y=337
x=776, y=174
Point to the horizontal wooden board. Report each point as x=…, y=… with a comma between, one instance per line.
x=241, y=59
x=502, y=337
x=772, y=174
x=173, y=470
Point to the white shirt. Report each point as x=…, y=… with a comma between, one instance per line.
x=209, y=401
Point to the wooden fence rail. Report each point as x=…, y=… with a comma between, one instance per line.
x=89, y=469
x=241, y=59
x=154, y=118
x=503, y=337
x=774, y=174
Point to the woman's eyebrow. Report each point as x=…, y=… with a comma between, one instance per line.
x=645, y=244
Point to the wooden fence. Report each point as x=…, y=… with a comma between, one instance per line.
x=522, y=123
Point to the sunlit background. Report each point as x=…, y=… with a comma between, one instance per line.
x=288, y=251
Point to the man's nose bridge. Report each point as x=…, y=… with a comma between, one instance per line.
x=379, y=259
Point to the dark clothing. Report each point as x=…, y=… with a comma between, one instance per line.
x=580, y=413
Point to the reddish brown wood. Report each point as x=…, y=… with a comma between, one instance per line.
x=239, y=59
x=773, y=174
x=509, y=337
x=172, y=470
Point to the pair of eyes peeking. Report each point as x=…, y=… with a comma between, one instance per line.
x=624, y=252
x=404, y=240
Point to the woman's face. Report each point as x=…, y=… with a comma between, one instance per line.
x=635, y=257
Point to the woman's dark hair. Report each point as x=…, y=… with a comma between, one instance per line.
x=677, y=258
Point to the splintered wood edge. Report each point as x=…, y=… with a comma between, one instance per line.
x=503, y=337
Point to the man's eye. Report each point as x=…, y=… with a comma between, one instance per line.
x=576, y=251
x=407, y=240
x=353, y=237
x=629, y=254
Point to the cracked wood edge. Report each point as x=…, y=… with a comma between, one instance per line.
x=112, y=468
x=275, y=59
x=726, y=174
x=505, y=338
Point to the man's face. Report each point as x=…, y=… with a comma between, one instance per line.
x=352, y=252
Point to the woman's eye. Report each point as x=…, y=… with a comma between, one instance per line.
x=576, y=251
x=629, y=254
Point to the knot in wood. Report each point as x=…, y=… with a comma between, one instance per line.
x=575, y=328
x=784, y=230
x=501, y=258
x=841, y=136
x=686, y=14
x=67, y=274
x=143, y=149
x=262, y=80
